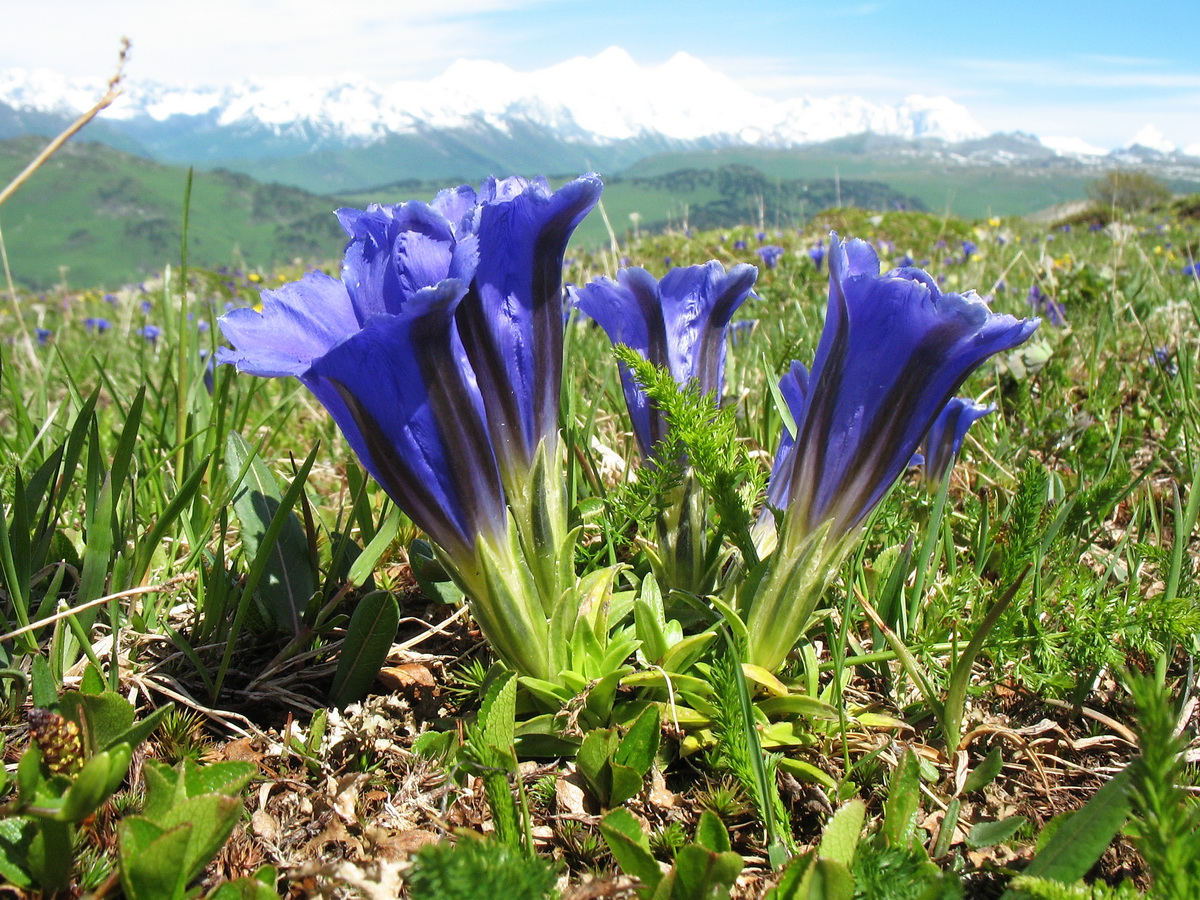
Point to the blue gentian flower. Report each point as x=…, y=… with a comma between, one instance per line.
x=969, y=249
x=511, y=323
x=1192, y=270
x=740, y=331
x=679, y=322
x=940, y=447
x=97, y=324
x=43, y=335
x=770, y=254
x=817, y=254
x=439, y=355
x=382, y=353
x=1044, y=305
x=893, y=352
x=150, y=332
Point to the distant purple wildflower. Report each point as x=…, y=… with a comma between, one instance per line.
x=97, y=324
x=817, y=254
x=679, y=322
x=1044, y=305
x=770, y=254
x=150, y=332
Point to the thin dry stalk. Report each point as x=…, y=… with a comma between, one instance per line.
x=113, y=92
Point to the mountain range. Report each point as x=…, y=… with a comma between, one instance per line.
x=604, y=112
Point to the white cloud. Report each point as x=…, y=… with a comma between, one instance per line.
x=223, y=40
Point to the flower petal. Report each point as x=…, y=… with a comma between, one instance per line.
x=511, y=323
x=893, y=352
x=299, y=322
x=403, y=394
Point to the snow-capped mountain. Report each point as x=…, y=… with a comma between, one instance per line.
x=601, y=99
x=604, y=112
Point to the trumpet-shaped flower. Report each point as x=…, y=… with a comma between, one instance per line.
x=512, y=320
x=894, y=351
x=399, y=388
x=437, y=354
x=946, y=436
x=679, y=322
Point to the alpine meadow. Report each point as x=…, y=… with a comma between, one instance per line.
x=700, y=520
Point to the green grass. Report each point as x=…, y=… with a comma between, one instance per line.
x=117, y=218
x=117, y=478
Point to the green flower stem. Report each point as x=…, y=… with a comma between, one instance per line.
x=681, y=528
x=537, y=500
x=503, y=597
x=783, y=591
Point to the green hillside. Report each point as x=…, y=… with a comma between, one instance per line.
x=963, y=188
x=98, y=217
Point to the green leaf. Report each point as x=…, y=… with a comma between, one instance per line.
x=16, y=834
x=904, y=798
x=369, y=637
x=594, y=763
x=840, y=840
x=626, y=784
x=498, y=713
x=211, y=818
x=153, y=860
x=630, y=847
x=226, y=777
x=102, y=717
x=361, y=569
x=699, y=871
x=287, y=582
x=1083, y=837
x=711, y=833
x=164, y=787
x=45, y=689
x=639, y=746
x=95, y=783
x=985, y=773
x=988, y=834
x=830, y=880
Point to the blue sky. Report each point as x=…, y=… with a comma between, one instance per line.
x=1099, y=71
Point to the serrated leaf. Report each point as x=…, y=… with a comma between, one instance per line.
x=226, y=777
x=840, y=839
x=369, y=638
x=903, y=800
x=498, y=714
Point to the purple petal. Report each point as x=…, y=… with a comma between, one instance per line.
x=946, y=435
x=405, y=397
x=299, y=322
x=679, y=323
x=511, y=322
x=893, y=352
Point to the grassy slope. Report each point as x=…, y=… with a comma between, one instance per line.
x=969, y=191
x=107, y=216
